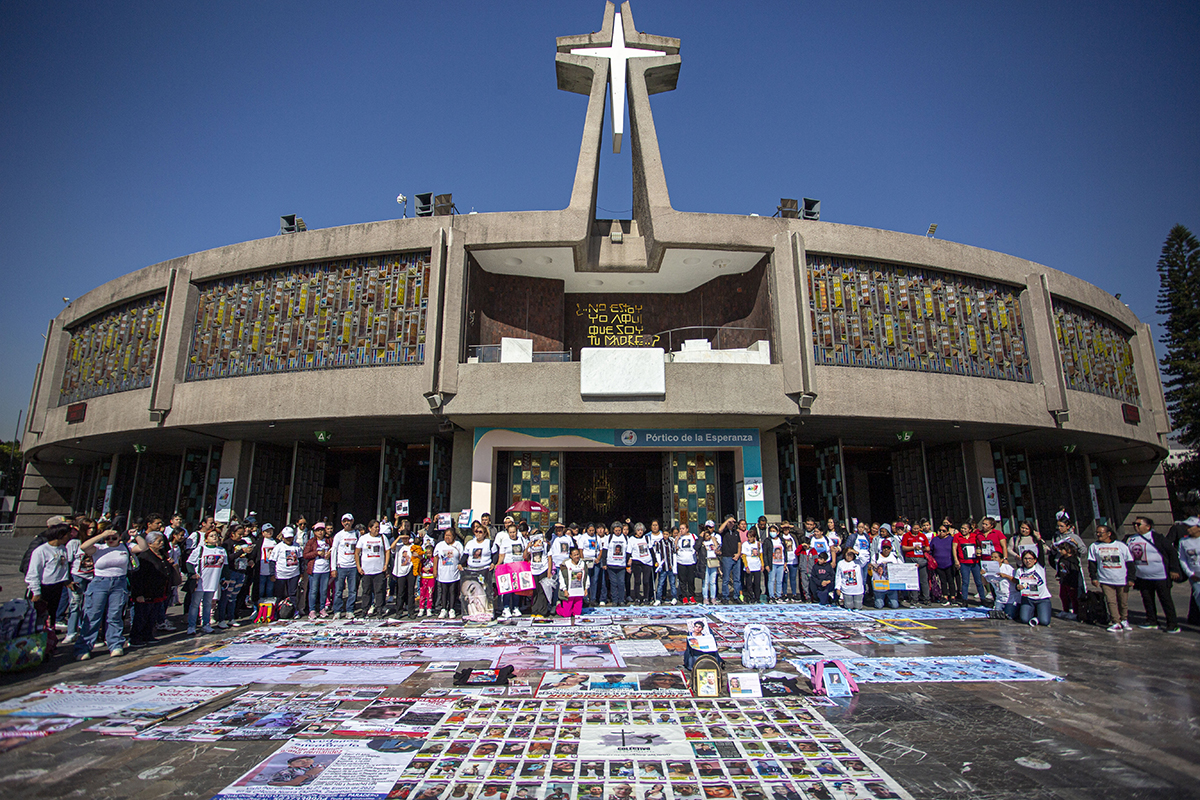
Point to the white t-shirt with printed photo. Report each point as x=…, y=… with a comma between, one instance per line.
x=372, y=553
x=1110, y=559
x=448, y=555
x=287, y=560
x=343, y=548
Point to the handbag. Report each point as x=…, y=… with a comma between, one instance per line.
x=134, y=563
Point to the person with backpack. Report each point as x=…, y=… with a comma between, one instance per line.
x=108, y=593
x=1157, y=567
x=48, y=573
x=1111, y=570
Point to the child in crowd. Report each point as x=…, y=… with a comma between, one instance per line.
x=208, y=562
x=428, y=580
x=1070, y=576
x=849, y=582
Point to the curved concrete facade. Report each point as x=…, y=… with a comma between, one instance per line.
x=859, y=428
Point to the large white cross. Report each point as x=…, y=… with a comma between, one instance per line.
x=618, y=55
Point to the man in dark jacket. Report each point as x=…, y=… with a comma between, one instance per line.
x=823, y=576
x=1157, y=567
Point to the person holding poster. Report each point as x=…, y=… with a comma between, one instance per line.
x=879, y=566
x=1035, y=596
x=286, y=556
x=966, y=558
x=616, y=559
x=509, y=546
x=572, y=585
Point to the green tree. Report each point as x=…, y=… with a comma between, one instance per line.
x=11, y=467
x=1179, y=303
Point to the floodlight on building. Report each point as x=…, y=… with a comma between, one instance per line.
x=811, y=210
x=434, y=399
x=932, y=230
x=806, y=401
x=290, y=223
x=788, y=208
x=402, y=200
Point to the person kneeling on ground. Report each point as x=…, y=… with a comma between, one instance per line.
x=1035, y=596
x=1004, y=586
x=821, y=582
x=849, y=582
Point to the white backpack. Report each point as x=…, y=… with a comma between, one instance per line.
x=757, y=650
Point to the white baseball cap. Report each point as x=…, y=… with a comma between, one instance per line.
x=347, y=516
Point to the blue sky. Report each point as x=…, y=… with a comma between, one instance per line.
x=131, y=133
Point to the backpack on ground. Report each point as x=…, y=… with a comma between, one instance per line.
x=284, y=609
x=708, y=677
x=266, y=611
x=1093, y=610
x=757, y=650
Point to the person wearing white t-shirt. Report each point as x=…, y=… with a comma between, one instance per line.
x=371, y=560
x=641, y=565
x=1035, y=595
x=509, y=547
x=572, y=585
x=1004, y=585
x=402, y=572
x=752, y=566
x=345, y=569
x=616, y=559
x=108, y=593
x=849, y=583
x=1111, y=570
x=208, y=562
x=591, y=544
x=446, y=560
x=287, y=557
x=1189, y=562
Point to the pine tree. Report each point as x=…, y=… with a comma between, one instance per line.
x=1179, y=303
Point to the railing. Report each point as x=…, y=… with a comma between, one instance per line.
x=6, y=529
x=724, y=338
x=490, y=354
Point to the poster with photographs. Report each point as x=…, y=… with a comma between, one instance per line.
x=588, y=656
x=320, y=769
x=613, y=684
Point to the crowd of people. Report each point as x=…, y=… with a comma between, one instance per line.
x=99, y=579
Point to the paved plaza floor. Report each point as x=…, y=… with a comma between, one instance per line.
x=951, y=705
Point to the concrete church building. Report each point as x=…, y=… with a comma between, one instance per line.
x=673, y=365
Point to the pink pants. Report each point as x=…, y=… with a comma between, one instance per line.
x=570, y=607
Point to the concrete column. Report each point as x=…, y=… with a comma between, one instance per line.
x=1042, y=342
x=1150, y=387
x=453, y=267
x=786, y=274
x=460, y=471
x=175, y=338
x=770, y=476
x=977, y=460
x=50, y=375
x=237, y=460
